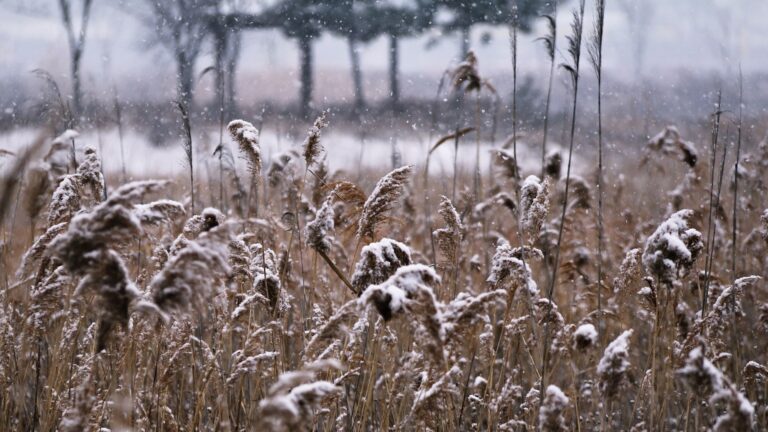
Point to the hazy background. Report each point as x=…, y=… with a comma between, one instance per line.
x=680, y=36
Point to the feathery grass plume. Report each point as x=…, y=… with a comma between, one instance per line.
x=207, y=220
x=501, y=199
x=534, y=206
x=725, y=310
x=426, y=402
x=158, y=212
x=333, y=328
x=507, y=163
x=613, y=366
x=378, y=262
x=463, y=312
x=581, y=194
x=387, y=191
x=555, y=402
x=292, y=402
x=47, y=301
x=281, y=167
x=705, y=380
x=37, y=251
x=672, y=249
x=630, y=271
x=246, y=365
x=247, y=137
x=240, y=261
x=317, y=231
x=86, y=251
x=511, y=264
x=465, y=76
x=65, y=201
x=90, y=174
x=410, y=291
x=186, y=144
x=312, y=146
x=188, y=278
x=553, y=164
x=111, y=223
x=449, y=238
x=318, y=238
x=670, y=142
x=78, y=416
x=584, y=337
x=402, y=291
x=265, y=273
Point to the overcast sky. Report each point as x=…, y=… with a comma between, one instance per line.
x=697, y=35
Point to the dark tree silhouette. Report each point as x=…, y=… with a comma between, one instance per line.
x=76, y=40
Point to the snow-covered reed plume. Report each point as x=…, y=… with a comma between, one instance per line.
x=312, y=146
x=629, y=273
x=87, y=251
x=613, y=366
x=669, y=142
x=534, y=206
x=318, y=231
x=247, y=138
x=292, y=402
x=379, y=261
x=448, y=239
x=465, y=76
x=509, y=267
x=264, y=268
x=84, y=188
x=704, y=379
x=672, y=249
x=409, y=291
x=585, y=336
x=384, y=195
x=403, y=291
x=190, y=276
x=159, y=212
x=552, y=408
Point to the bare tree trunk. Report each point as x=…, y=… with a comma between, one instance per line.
x=77, y=92
x=233, y=55
x=466, y=34
x=305, y=94
x=394, y=79
x=220, y=49
x=357, y=75
x=76, y=42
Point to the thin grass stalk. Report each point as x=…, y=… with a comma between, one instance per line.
x=710, y=246
x=573, y=70
x=550, y=41
x=119, y=122
x=596, y=59
x=187, y=146
x=735, y=216
x=513, y=48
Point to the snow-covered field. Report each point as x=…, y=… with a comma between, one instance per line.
x=345, y=151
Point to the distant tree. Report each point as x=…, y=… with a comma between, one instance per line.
x=464, y=14
x=181, y=26
x=302, y=20
x=352, y=20
x=76, y=40
x=397, y=19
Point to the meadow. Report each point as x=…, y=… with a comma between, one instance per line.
x=489, y=284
